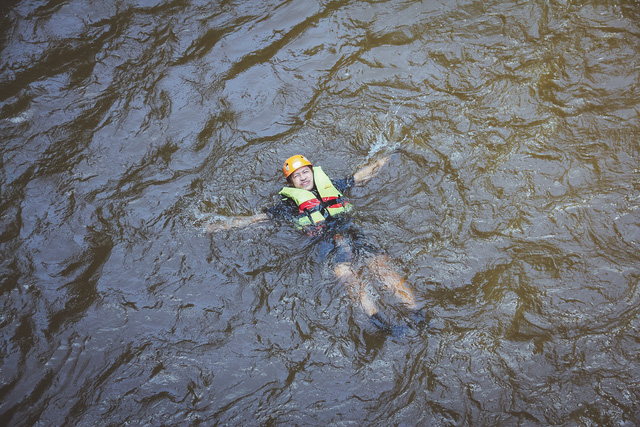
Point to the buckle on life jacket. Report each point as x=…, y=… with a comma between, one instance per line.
x=317, y=208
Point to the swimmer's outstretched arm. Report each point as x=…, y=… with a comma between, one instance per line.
x=236, y=222
x=370, y=170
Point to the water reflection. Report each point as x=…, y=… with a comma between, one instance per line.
x=513, y=210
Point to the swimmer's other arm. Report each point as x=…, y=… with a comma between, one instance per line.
x=236, y=222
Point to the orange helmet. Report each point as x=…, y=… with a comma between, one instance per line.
x=293, y=163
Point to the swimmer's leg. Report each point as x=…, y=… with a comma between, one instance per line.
x=379, y=265
x=357, y=290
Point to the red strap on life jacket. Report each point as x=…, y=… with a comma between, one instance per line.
x=310, y=204
x=337, y=205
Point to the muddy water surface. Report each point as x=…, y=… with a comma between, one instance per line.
x=510, y=203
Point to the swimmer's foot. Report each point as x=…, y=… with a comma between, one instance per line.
x=382, y=323
x=418, y=317
x=398, y=331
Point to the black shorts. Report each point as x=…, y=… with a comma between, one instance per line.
x=341, y=241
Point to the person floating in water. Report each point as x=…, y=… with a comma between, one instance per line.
x=317, y=205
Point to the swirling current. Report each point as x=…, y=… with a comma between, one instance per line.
x=510, y=204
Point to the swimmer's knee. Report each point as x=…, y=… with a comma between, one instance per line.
x=343, y=269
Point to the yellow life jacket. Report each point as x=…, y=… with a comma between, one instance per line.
x=313, y=210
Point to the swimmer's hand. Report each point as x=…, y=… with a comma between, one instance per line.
x=369, y=171
x=236, y=222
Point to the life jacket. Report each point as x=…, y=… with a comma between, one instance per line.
x=313, y=210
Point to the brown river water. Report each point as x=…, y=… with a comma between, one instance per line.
x=510, y=203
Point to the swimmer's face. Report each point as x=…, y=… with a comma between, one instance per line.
x=303, y=178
